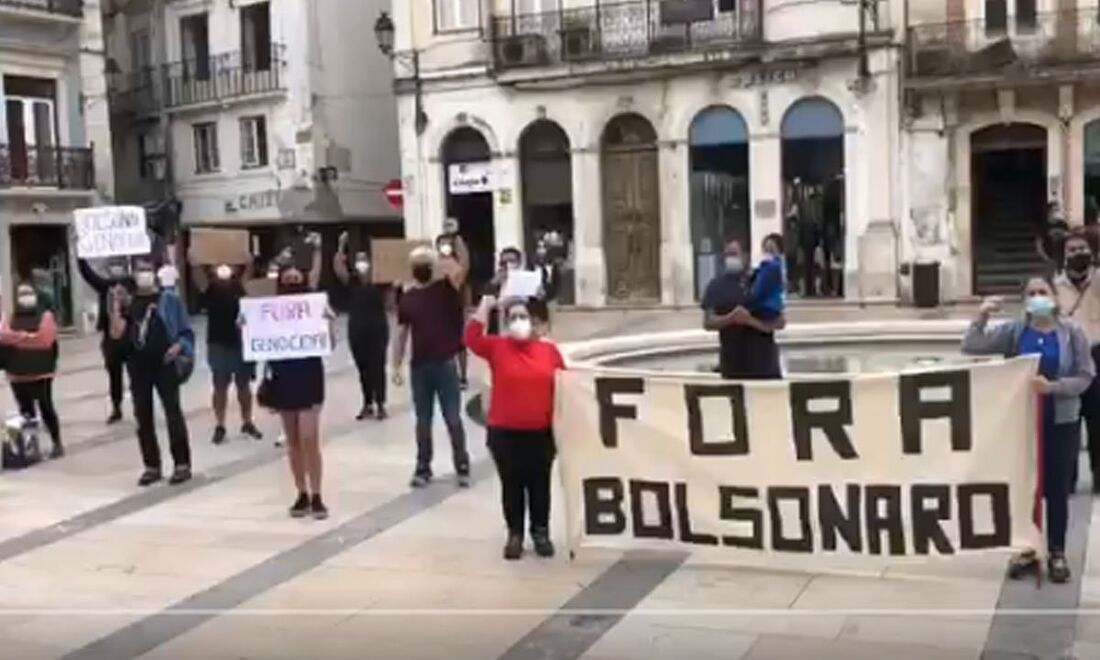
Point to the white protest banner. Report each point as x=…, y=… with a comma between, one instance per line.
x=521, y=284
x=842, y=471
x=111, y=231
x=285, y=327
x=470, y=178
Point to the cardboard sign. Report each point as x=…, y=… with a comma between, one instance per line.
x=521, y=284
x=846, y=471
x=111, y=231
x=390, y=259
x=212, y=247
x=285, y=327
x=260, y=286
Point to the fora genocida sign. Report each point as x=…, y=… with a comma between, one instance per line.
x=931, y=462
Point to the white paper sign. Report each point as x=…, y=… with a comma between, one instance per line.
x=111, y=231
x=521, y=284
x=470, y=178
x=285, y=327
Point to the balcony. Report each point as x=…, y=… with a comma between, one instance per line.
x=1062, y=45
x=70, y=8
x=224, y=77
x=621, y=31
x=138, y=93
x=62, y=168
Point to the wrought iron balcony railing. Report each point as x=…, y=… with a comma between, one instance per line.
x=138, y=92
x=225, y=76
x=74, y=8
x=65, y=168
x=623, y=30
x=993, y=45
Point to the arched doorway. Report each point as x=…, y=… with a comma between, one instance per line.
x=1008, y=178
x=813, y=197
x=719, y=166
x=631, y=210
x=467, y=170
x=1092, y=172
x=546, y=175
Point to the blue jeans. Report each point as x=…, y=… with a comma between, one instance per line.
x=430, y=381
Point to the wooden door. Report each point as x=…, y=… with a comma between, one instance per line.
x=632, y=223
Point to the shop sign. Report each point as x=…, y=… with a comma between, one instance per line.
x=470, y=178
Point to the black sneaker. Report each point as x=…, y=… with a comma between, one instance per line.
x=463, y=480
x=365, y=412
x=541, y=540
x=219, y=435
x=513, y=548
x=181, y=474
x=57, y=452
x=1058, y=568
x=115, y=416
x=150, y=477
x=300, y=508
x=318, y=508
x=420, y=480
x=381, y=413
x=1022, y=565
x=249, y=429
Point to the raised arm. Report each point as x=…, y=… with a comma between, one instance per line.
x=315, y=270
x=94, y=280
x=981, y=339
x=340, y=260
x=475, y=338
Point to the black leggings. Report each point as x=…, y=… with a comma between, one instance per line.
x=38, y=393
x=523, y=460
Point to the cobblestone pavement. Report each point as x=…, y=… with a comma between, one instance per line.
x=93, y=567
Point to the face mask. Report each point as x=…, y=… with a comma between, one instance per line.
x=144, y=279
x=446, y=249
x=520, y=329
x=1042, y=306
x=224, y=272
x=422, y=273
x=272, y=274
x=27, y=301
x=1079, y=262
x=510, y=265
x=734, y=265
x=362, y=267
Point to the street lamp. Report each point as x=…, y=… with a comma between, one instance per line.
x=384, y=34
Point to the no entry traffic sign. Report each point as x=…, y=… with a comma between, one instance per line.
x=394, y=193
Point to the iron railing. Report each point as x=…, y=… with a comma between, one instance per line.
x=986, y=46
x=623, y=30
x=224, y=76
x=74, y=8
x=138, y=92
x=68, y=168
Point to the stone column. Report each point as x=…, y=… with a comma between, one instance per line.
x=588, y=254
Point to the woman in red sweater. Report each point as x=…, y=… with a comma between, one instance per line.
x=29, y=338
x=521, y=412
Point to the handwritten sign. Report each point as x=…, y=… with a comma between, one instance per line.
x=521, y=284
x=111, y=231
x=285, y=327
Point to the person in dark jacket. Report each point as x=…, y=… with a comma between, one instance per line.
x=114, y=355
x=154, y=327
x=30, y=340
x=368, y=328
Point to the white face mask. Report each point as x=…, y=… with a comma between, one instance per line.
x=144, y=279
x=224, y=272
x=734, y=265
x=446, y=249
x=520, y=329
x=272, y=274
x=362, y=267
x=27, y=301
x=168, y=276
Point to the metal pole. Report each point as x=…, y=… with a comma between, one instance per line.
x=864, y=64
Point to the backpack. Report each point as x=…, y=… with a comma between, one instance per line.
x=20, y=447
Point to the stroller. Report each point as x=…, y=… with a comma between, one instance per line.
x=20, y=447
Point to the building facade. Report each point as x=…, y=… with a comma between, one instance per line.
x=1001, y=131
x=264, y=115
x=646, y=133
x=55, y=143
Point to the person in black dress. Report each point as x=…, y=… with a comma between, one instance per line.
x=368, y=328
x=297, y=392
x=114, y=354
